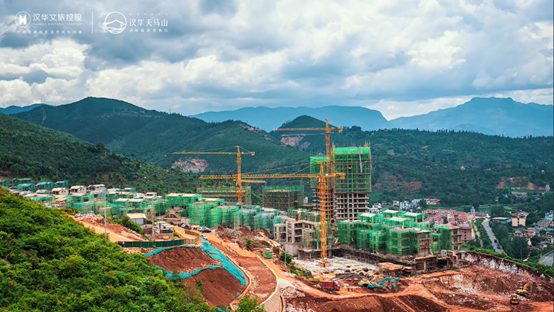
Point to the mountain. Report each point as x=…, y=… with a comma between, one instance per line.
x=494, y=116
x=457, y=167
x=10, y=110
x=153, y=136
x=271, y=118
x=49, y=262
x=30, y=150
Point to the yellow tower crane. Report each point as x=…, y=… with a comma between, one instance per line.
x=321, y=176
x=238, y=179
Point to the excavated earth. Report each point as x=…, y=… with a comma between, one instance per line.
x=184, y=260
x=477, y=288
x=219, y=287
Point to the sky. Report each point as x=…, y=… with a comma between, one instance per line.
x=402, y=58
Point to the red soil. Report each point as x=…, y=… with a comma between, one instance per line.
x=263, y=282
x=219, y=286
x=182, y=259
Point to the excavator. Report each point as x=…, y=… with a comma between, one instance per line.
x=525, y=290
x=381, y=282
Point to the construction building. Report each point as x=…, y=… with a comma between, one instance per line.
x=228, y=194
x=283, y=197
x=350, y=193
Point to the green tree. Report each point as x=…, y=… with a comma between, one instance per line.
x=423, y=204
x=535, y=240
x=519, y=247
x=250, y=304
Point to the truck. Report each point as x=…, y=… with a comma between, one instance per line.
x=334, y=286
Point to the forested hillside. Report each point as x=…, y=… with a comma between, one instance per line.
x=48, y=262
x=153, y=136
x=457, y=167
x=30, y=150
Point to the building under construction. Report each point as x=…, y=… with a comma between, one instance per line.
x=228, y=194
x=345, y=198
x=283, y=197
x=350, y=193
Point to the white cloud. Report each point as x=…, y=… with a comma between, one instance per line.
x=408, y=57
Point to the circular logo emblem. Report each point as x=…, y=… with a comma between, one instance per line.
x=23, y=19
x=115, y=22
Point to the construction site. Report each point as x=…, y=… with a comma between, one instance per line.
x=333, y=255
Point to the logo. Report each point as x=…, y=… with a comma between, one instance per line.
x=115, y=22
x=22, y=19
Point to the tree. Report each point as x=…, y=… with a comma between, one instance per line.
x=250, y=304
x=423, y=204
x=519, y=247
x=535, y=240
x=497, y=211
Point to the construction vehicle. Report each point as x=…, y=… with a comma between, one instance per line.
x=525, y=290
x=333, y=286
x=380, y=282
x=514, y=299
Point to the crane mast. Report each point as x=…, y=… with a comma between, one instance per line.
x=238, y=178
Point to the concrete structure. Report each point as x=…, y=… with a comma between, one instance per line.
x=349, y=205
x=292, y=233
x=77, y=189
x=467, y=232
x=138, y=218
x=519, y=218
x=60, y=191
x=96, y=188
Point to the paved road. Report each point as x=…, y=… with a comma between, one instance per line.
x=547, y=259
x=492, y=237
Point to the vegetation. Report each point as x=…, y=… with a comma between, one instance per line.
x=48, y=262
x=126, y=222
x=406, y=163
x=44, y=154
x=250, y=304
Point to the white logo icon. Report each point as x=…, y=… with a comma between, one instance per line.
x=22, y=19
x=115, y=22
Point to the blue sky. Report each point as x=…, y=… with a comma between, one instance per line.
x=400, y=57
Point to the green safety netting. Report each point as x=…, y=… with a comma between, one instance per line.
x=402, y=242
x=355, y=163
x=282, y=197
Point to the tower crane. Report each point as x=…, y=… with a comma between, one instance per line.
x=238, y=177
x=322, y=179
x=329, y=160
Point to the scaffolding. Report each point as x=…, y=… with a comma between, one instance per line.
x=378, y=240
x=362, y=237
x=214, y=217
x=402, y=242
x=182, y=200
x=347, y=230
x=227, y=194
x=401, y=222
x=282, y=197
x=416, y=217
x=230, y=216
x=370, y=217
x=315, y=169
x=247, y=217
x=198, y=213
x=443, y=237
x=355, y=163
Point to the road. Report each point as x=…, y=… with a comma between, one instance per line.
x=492, y=237
x=547, y=259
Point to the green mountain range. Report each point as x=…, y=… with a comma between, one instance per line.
x=457, y=167
x=30, y=150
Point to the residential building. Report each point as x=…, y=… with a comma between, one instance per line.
x=519, y=218
x=78, y=189
x=467, y=232
x=138, y=218
x=60, y=191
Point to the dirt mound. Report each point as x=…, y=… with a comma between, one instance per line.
x=368, y=303
x=98, y=220
x=218, y=285
x=182, y=259
x=482, y=280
